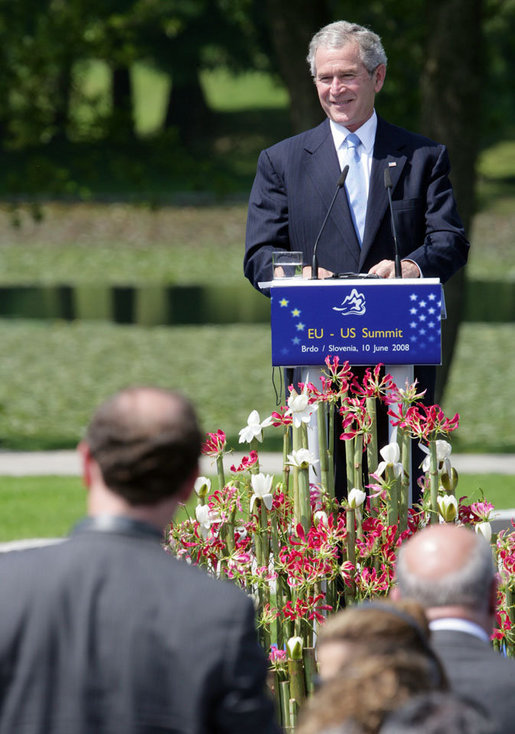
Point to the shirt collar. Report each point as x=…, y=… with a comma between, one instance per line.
x=456, y=624
x=366, y=133
x=118, y=524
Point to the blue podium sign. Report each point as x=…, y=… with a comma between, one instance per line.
x=362, y=321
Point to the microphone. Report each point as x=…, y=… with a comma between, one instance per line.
x=388, y=187
x=339, y=184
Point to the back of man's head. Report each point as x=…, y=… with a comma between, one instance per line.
x=446, y=566
x=146, y=442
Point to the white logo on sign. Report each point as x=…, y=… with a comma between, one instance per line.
x=352, y=305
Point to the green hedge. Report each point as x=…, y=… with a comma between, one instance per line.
x=151, y=305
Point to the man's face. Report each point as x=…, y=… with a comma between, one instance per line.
x=345, y=88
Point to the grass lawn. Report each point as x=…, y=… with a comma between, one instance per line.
x=47, y=507
x=39, y=507
x=52, y=376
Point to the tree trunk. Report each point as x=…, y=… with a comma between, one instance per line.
x=187, y=109
x=62, y=102
x=122, y=118
x=292, y=24
x=451, y=90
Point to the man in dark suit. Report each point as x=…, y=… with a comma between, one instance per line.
x=296, y=179
x=105, y=632
x=450, y=571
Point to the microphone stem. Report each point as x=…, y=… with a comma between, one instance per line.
x=398, y=267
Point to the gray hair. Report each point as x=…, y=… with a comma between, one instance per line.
x=467, y=586
x=338, y=34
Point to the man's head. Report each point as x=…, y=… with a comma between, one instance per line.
x=146, y=443
x=348, y=64
x=450, y=571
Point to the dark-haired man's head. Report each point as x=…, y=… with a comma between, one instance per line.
x=143, y=444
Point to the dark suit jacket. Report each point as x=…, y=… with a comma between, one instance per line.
x=296, y=180
x=107, y=634
x=477, y=672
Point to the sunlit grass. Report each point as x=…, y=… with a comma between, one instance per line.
x=48, y=507
x=224, y=92
x=53, y=374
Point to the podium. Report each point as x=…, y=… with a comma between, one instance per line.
x=396, y=322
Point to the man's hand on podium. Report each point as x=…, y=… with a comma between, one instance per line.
x=386, y=269
x=322, y=272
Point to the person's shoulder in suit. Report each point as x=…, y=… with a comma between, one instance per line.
x=408, y=138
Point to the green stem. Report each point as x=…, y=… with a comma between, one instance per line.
x=296, y=443
x=304, y=501
x=351, y=550
x=358, y=461
x=330, y=449
x=372, y=446
x=323, y=449
x=220, y=471
x=393, y=503
x=405, y=446
x=286, y=466
x=510, y=608
x=433, y=481
x=349, y=461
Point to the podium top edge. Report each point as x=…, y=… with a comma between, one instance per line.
x=298, y=282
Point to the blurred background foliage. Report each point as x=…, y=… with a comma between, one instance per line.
x=120, y=97
x=129, y=134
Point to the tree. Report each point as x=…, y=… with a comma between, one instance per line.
x=451, y=93
x=291, y=26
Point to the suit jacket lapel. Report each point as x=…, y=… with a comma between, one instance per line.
x=323, y=168
x=387, y=153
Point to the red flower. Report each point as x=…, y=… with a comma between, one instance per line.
x=214, y=444
x=246, y=463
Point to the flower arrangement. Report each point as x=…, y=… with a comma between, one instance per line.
x=299, y=553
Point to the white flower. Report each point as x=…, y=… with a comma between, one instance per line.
x=202, y=486
x=303, y=458
x=252, y=429
x=448, y=506
x=356, y=498
x=391, y=454
x=300, y=408
x=484, y=529
x=294, y=646
x=261, y=486
x=320, y=517
x=205, y=518
x=443, y=452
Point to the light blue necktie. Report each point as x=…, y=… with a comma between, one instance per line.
x=356, y=185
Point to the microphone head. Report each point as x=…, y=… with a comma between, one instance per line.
x=343, y=176
x=387, y=178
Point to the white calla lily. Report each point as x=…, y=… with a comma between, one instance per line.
x=391, y=454
x=294, y=646
x=448, y=506
x=320, y=518
x=252, y=429
x=205, y=518
x=484, y=529
x=356, y=498
x=262, y=486
x=302, y=458
x=202, y=486
x=443, y=453
x=300, y=408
